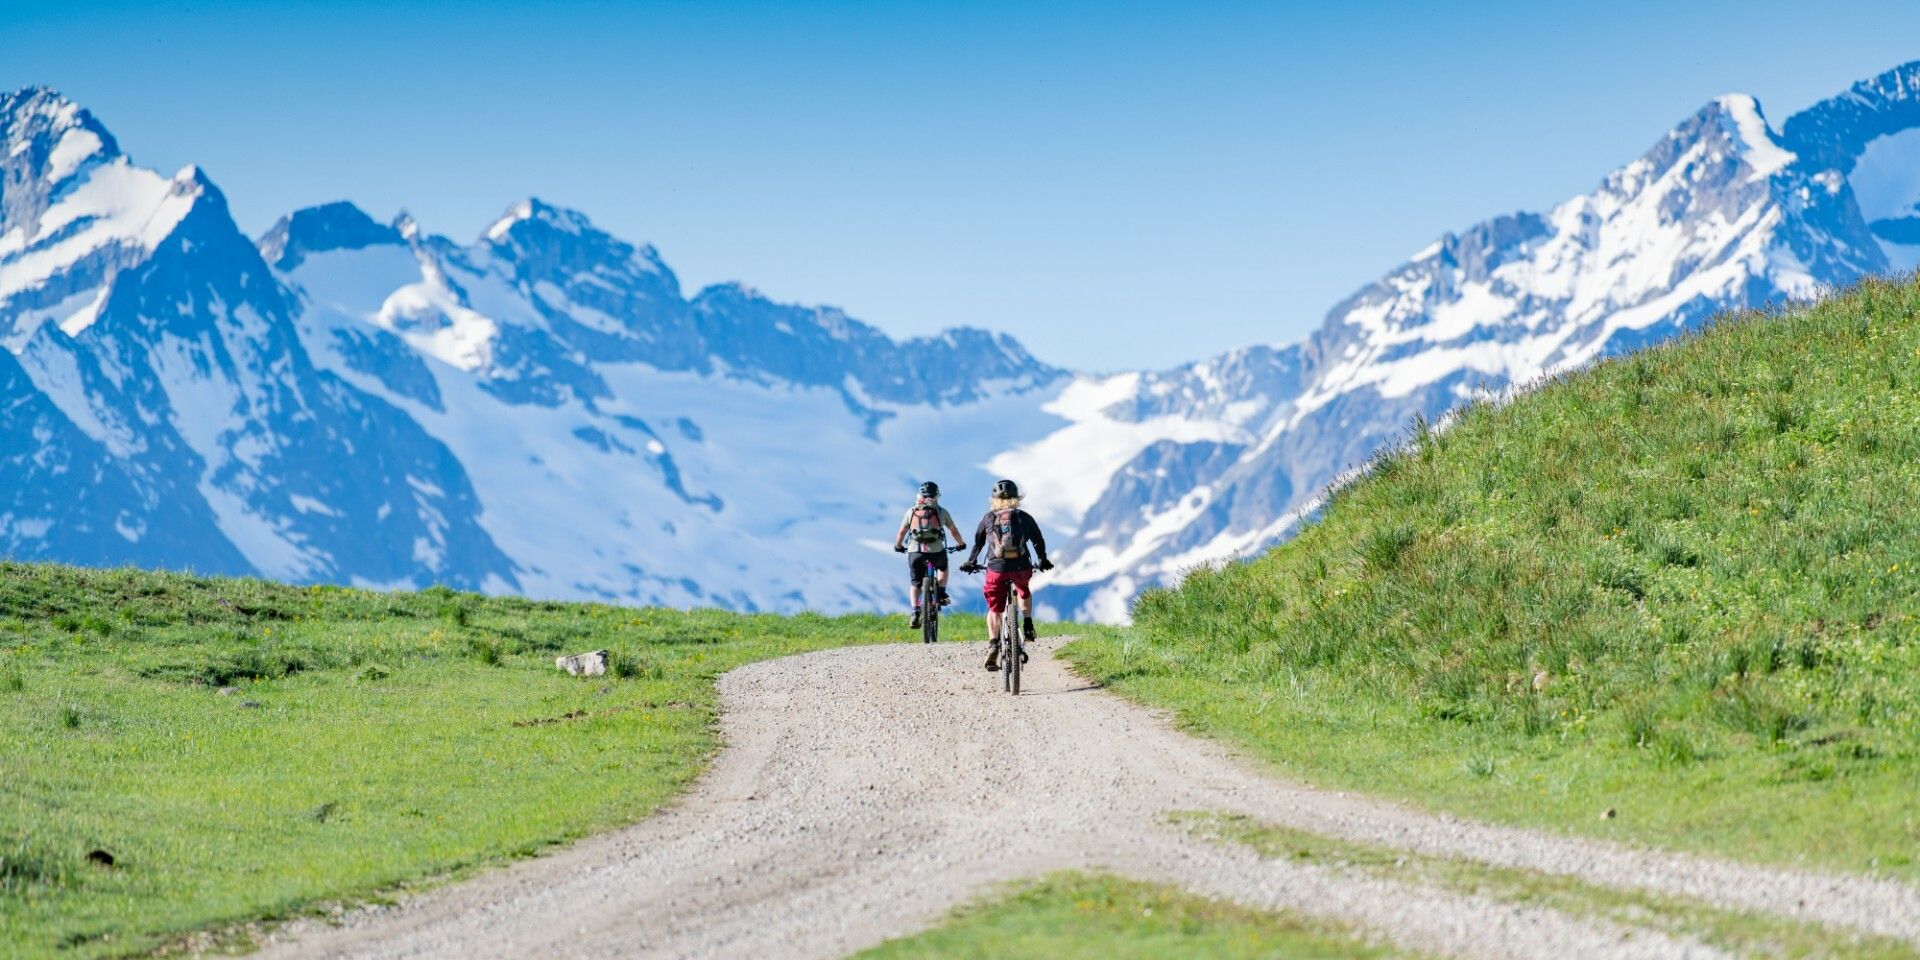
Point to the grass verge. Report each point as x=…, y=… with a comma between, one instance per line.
x=250, y=751
x=1098, y=917
x=1742, y=934
x=1679, y=586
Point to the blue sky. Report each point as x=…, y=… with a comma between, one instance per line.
x=1117, y=184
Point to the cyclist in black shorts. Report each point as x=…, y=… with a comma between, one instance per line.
x=923, y=537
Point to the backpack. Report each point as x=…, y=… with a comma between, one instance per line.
x=926, y=523
x=1008, y=536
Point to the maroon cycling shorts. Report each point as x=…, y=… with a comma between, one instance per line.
x=999, y=582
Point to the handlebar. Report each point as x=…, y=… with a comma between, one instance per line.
x=981, y=566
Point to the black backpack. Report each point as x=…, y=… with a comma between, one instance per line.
x=1008, y=537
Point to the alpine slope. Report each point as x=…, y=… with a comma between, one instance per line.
x=545, y=411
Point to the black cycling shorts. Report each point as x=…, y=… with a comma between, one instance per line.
x=916, y=562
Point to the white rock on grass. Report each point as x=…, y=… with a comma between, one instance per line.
x=584, y=664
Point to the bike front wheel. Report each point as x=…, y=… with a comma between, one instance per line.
x=1019, y=651
x=1009, y=657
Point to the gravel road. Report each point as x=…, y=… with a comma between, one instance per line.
x=865, y=792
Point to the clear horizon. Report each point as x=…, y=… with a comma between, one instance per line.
x=1118, y=186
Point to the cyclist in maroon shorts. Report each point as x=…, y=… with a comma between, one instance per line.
x=1005, y=533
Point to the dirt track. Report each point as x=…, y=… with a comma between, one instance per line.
x=864, y=792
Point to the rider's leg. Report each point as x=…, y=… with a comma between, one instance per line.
x=913, y=592
x=1026, y=622
x=995, y=604
x=996, y=608
x=993, y=639
x=943, y=587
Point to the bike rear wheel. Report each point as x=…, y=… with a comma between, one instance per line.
x=1019, y=652
x=929, y=609
x=1008, y=653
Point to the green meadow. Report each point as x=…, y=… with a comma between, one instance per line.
x=1668, y=599
x=249, y=751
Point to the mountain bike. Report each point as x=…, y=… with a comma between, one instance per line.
x=930, y=598
x=1013, y=646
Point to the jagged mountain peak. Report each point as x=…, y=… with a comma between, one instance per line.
x=1723, y=147
x=34, y=112
x=1833, y=132
x=194, y=273
x=964, y=337
x=544, y=242
x=1730, y=132
x=535, y=213
x=742, y=300
x=1865, y=144
x=32, y=96
x=730, y=290
x=76, y=213
x=1742, y=126
x=339, y=225
x=823, y=345
x=47, y=143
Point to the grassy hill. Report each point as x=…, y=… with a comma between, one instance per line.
x=248, y=750
x=1670, y=599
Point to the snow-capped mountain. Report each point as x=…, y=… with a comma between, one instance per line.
x=540, y=411
x=632, y=444
x=161, y=406
x=1723, y=212
x=545, y=411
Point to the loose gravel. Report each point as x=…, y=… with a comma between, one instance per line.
x=865, y=792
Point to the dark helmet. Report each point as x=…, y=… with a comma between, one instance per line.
x=1006, y=490
x=930, y=489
